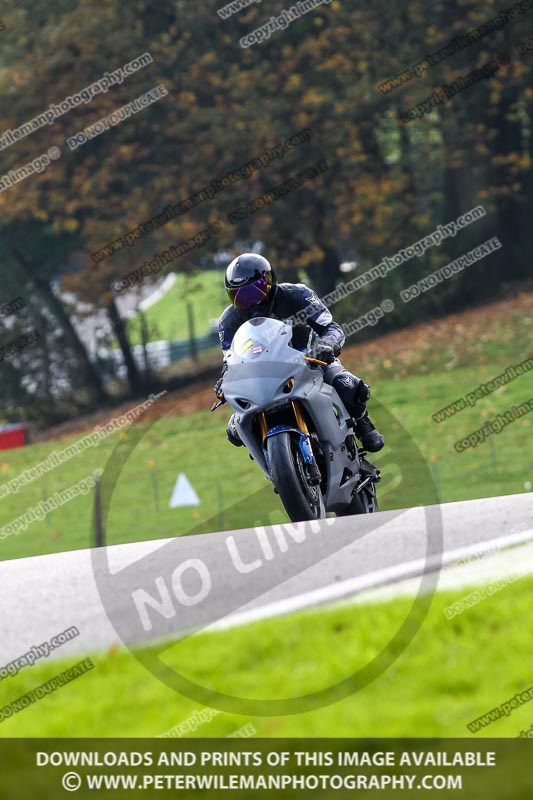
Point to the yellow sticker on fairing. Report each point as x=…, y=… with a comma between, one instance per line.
x=246, y=347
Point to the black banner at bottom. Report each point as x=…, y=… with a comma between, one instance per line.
x=291, y=768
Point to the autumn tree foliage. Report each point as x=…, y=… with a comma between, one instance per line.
x=388, y=182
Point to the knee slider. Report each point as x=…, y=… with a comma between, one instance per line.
x=231, y=432
x=344, y=380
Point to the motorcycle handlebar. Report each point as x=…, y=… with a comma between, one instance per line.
x=316, y=361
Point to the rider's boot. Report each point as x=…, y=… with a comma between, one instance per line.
x=232, y=433
x=364, y=429
x=366, y=432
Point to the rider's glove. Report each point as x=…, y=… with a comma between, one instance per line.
x=323, y=349
x=218, y=384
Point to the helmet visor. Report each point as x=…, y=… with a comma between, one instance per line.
x=245, y=297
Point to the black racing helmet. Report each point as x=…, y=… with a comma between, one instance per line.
x=249, y=281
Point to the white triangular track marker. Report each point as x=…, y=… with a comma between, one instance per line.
x=183, y=494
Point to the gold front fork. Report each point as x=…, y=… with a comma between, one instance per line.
x=300, y=419
x=263, y=425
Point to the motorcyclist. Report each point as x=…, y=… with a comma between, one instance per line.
x=254, y=292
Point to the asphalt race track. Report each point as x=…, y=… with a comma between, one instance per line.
x=146, y=591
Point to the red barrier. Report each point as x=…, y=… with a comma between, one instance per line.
x=12, y=436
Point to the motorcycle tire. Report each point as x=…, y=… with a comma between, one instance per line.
x=364, y=502
x=300, y=500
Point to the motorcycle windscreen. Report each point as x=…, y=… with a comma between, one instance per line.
x=258, y=336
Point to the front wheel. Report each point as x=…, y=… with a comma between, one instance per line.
x=300, y=500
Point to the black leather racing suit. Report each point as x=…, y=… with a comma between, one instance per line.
x=284, y=303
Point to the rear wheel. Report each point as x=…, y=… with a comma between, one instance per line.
x=300, y=500
x=363, y=502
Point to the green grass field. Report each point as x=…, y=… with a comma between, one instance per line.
x=419, y=463
x=452, y=672
x=167, y=319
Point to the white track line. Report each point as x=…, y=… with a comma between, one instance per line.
x=382, y=577
x=488, y=569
